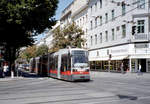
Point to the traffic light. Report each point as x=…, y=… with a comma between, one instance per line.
x=133, y=30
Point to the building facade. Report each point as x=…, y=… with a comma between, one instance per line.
x=119, y=33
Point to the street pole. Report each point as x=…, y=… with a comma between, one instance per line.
x=109, y=62
x=109, y=65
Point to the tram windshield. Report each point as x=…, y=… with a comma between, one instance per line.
x=79, y=58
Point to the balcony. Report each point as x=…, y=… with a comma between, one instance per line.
x=140, y=37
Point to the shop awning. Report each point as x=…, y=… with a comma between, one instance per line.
x=120, y=57
x=107, y=58
x=140, y=56
x=98, y=59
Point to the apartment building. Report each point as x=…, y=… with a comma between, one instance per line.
x=119, y=33
x=76, y=12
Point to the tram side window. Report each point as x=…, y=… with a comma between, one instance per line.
x=69, y=62
x=56, y=62
x=50, y=62
x=44, y=64
x=64, y=63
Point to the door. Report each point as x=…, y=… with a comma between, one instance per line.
x=143, y=65
x=59, y=66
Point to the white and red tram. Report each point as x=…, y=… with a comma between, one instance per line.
x=69, y=64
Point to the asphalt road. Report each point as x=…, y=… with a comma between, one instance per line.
x=104, y=88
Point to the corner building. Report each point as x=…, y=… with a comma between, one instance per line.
x=117, y=31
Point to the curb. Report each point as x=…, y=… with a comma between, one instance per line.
x=10, y=79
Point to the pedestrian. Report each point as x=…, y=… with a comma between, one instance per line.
x=139, y=70
x=122, y=70
x=5, y=69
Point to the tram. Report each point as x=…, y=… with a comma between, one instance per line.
x=39, y=65
x=67, y=64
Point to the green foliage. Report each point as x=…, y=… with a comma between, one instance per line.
x=28, y=53
x=33, y=51
x=20, y=20
x=41, y=50
x=70, y=35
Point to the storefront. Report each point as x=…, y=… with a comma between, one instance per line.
x=115, y=65
x=145, y=65
x=127, y=54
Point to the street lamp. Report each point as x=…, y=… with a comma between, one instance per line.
x=120, y=3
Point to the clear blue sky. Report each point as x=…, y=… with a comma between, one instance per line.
x=61, y=6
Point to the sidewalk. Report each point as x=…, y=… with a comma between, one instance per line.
x=10, y=79
x=117, y=75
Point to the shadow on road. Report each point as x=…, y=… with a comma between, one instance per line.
x=127, y=97
x=28, y=74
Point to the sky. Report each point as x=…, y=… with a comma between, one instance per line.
x=61, y=6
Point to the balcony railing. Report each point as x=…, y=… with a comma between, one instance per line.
x=140, y=37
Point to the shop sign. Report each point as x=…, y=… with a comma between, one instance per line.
x=119, y=51
x=141, y=45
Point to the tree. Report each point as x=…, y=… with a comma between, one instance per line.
x=34, y=51
x=41, y=50
x=28, y=53
x=70, y=35
x=20, y=20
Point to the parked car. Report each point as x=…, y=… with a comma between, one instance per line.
x=26, y=67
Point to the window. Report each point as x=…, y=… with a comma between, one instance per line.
x=113, y=34
x=118, y=28
x=100, y=20
x=95, y=6
x=141, y=4
x=64, y=65
x=91, y=9
x=91, y=25
x=100, y=37
x=123, y=8
x=106, y=33
x=95, y=39
x=140, y=27
x=86, y=30
x=96, y=22
x=86, y=18
x=91, y=40
x=80, y=22
x=106, y=2
x=106, y=17
x=100, y=1
x=83, y=20
x=123, y=31
x=113, y=14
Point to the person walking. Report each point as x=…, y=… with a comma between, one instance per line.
x=122, y=70
x=139, y=69
x=5, y=69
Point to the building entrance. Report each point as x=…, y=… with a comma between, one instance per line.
x=143, y=65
